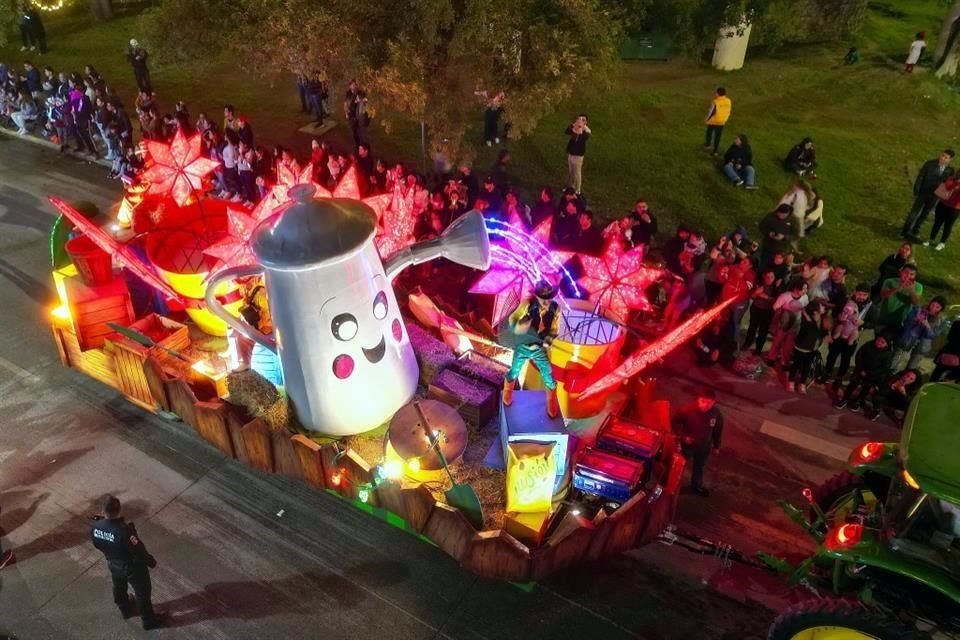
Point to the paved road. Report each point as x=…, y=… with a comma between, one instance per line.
x=231, y=566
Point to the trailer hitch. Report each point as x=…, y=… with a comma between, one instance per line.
x=726, y=554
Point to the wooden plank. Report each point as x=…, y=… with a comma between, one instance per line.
x=212, y=425
x=449, y=529
x=58, y=340
x=236, y=420
x=156, y=381
x=311, y=465
x=128, y=360
x=389, y=497
x=566, y=547
x=671, y=489
x=417, y=505
x=182, y=400
x=258, y=445
x=94, y=363
x=619, y=531
x=331, y=469
x=499, y=556
x=357, y=475
x=285, y=459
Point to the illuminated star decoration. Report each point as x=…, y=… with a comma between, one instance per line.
x=234, y=250
x=519, y=261
x=617, y=280
x=120, y=252
x=657, y=350
x=178, y=168
x=399, y=221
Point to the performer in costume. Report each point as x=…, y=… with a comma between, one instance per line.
x=535, y=324
x=256, y=311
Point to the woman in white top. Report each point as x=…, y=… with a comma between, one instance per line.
x=229, y=154
x=799, y=197
x=917, y=48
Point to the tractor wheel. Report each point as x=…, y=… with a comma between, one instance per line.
x=835, y=497
x=838, y=620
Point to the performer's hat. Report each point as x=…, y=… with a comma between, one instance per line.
x=545, y=290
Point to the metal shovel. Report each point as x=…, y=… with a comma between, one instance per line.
x=459, y=496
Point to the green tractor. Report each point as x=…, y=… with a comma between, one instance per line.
x=887, y=564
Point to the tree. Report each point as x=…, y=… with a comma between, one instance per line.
x=425, y=59
x=101, y=9
x=694, y=24
x=8, y=19
x=947, y=56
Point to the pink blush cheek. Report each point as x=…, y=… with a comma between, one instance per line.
x=397, y=330
x=343, y=366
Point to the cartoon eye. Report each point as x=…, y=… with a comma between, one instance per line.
x=380, y=306
x=344, y=327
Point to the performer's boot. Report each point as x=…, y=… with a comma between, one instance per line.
x=507, y=392
x=553, y=406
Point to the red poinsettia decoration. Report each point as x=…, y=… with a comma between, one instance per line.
x=178, y=169
x=617, y=280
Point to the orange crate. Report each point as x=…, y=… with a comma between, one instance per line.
x=92, y=307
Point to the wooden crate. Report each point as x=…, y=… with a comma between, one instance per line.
x=96, y=363
x=476, y=366
x=475, y=401
x=432, y=354
x=91, y=308
x=166, y=333
x=129, y=358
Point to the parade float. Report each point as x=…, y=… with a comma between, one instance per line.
x=359, y=374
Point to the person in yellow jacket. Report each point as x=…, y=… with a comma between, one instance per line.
x=717, y=117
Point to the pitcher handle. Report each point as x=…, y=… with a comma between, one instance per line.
x=218, y=310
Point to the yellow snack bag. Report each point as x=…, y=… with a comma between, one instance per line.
x=531, y=473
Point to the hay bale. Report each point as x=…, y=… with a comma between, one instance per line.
x=258, y=396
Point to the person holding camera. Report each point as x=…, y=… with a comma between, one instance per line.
x=579, y=133
x=128, y=560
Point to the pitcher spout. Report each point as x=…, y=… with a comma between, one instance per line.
x=465, y=242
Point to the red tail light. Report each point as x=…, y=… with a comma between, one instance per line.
x=844, y=537
x=869, y=452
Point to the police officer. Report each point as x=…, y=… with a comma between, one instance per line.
x=128, y=560
x=700, y=427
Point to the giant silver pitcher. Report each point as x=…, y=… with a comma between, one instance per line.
x=347, y=361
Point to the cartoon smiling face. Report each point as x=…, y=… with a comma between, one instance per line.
x=362, y=331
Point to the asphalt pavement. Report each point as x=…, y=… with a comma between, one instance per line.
x=245, y=555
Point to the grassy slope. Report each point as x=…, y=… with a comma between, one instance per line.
x=873, y=126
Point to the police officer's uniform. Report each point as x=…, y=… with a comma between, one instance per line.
x=129, y=563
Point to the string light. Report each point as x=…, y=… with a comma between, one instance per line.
x=56, y=6
x=519, y=260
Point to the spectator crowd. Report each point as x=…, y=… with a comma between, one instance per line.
x=864, y=342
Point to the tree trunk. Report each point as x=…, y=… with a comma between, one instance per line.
x=102, y=9
x=947, y=29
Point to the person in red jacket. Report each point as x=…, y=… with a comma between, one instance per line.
x=946, y=213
